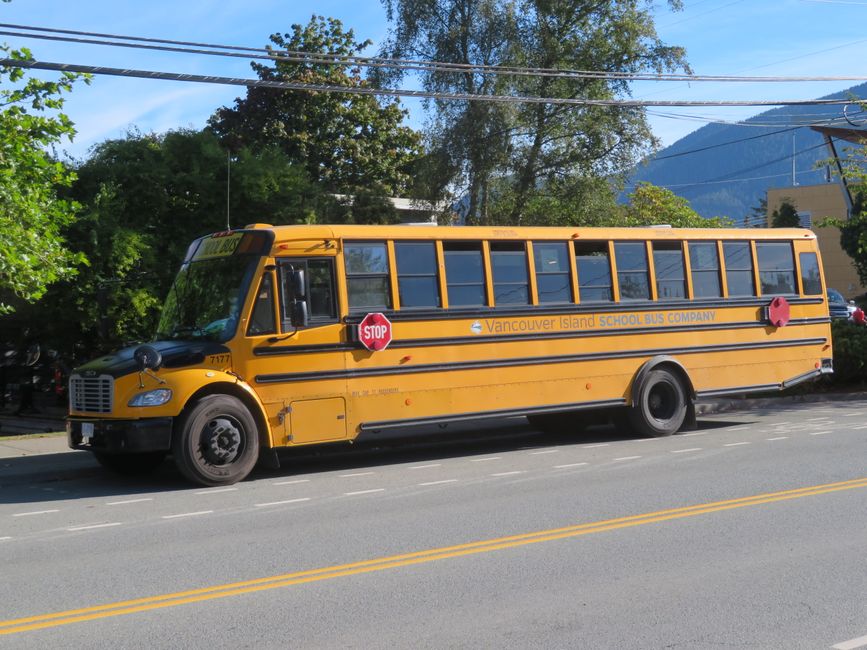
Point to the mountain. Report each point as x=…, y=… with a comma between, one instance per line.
x=724, y=170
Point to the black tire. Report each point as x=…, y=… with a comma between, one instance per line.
x=660, y=404
x=215, y=441
x=131, y=464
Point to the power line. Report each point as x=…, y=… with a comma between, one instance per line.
x=724, y=144
x=210, y=49
x=739, y=180
x=366, y=90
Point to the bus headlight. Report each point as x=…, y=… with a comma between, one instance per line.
x=156, y=397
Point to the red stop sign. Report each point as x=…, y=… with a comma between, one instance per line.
x=374, y=331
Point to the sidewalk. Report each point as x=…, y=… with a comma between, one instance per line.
x=48, y=416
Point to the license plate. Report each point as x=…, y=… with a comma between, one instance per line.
x=86, y=431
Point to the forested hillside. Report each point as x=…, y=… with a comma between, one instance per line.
x=724, y=170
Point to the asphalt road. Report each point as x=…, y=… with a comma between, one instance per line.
x=750, y=532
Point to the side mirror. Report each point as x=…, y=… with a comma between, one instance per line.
x=299, y=313
x=147, y=358
x=298, y=284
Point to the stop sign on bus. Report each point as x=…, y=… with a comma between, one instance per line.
x=374, y=331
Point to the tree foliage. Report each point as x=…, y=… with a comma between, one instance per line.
x=758, y=216
x=650, y=205
x=144, y=199
x=786, y=215
x=508, y=159
x=346, y=142
x=34, y=253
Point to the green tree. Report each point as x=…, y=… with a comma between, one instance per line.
x=508, y=159
x=144, y=199
x=347, y=142
x=786, y=216
x=34, y=253
x=651, y=205
x=758, y=216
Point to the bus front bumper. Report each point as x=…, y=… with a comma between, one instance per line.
x=120, y=436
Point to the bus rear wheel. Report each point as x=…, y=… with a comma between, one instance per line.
x=215, y=441
x=660, y=404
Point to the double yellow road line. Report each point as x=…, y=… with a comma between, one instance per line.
x=122, y=608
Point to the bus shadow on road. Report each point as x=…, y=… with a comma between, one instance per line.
x=443, y=443
x=73, y=475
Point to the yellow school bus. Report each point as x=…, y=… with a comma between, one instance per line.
x=278, y=336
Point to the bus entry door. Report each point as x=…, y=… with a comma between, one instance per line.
x=317, y=420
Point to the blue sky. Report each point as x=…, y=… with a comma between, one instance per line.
x=739, y=37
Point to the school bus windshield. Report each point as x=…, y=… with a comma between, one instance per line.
x=205, y=299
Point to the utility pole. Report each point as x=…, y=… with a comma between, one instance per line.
x=794, y=177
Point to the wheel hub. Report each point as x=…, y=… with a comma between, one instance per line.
x=222, y=441
x=661, y=402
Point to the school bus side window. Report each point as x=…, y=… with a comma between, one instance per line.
x=319, y=289
x=704, y=261
x=594, y=272
x=465, y=274
x=632, y=270
x=552, y=272
x=367, y=276
x=776, y=268
x=511, y=277
x=739, y=268
x=320, y=292
x=670, y=272
x=417, y=274
x=810, y=277
x=262, y=318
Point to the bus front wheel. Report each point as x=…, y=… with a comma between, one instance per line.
x=660, y=404
x=216, y=442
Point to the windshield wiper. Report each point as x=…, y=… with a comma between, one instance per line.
x=188, y=329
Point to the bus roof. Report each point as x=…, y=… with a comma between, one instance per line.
x=306, y=232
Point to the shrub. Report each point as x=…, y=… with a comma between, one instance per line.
x=850, y=352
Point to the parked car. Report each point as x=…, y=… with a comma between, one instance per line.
x=838, y=306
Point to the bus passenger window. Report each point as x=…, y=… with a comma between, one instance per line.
x=810, y=277
x=776, y=268
x=670, y=272
x=262, y=318
x=511, y=278
x=632, y=270
x=739, y=268
x=552, y=272
x=465, y=275
x=594, y=272
x=367, y=276
x=704, y=261
x=417, y=274
x=320, y=295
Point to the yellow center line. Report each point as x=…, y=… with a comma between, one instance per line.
x=175, y=599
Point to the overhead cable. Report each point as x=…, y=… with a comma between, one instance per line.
x=297, y=56
x=397, y=92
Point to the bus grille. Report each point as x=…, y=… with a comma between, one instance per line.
x=91, y=394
